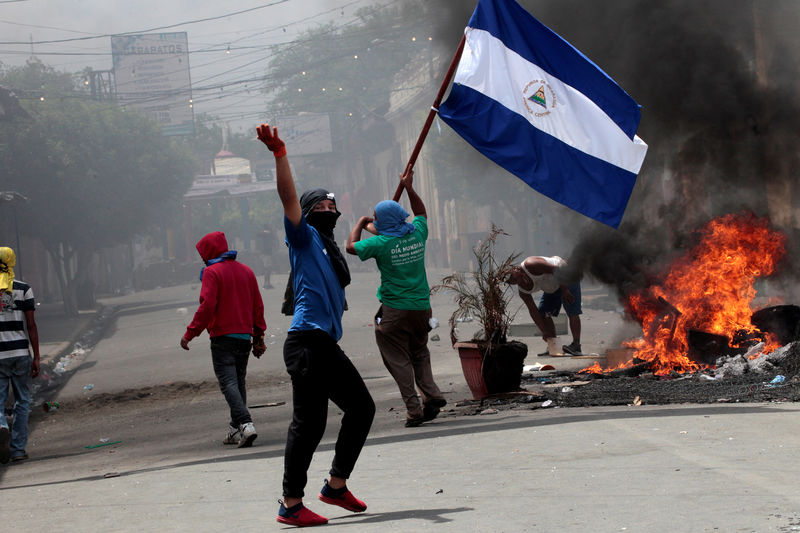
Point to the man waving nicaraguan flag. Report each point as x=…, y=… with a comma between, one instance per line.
x=529, y=101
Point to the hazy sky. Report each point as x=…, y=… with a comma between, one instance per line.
x=215, y=72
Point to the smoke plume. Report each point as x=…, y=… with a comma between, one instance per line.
x=718, y=84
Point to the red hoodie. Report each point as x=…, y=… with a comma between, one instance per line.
x=230, y=301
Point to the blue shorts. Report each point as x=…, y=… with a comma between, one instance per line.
x=550, y=304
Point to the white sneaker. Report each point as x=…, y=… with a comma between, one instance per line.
x=248, y=432
x=232, y=437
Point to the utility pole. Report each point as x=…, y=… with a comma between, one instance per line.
x=101, y=84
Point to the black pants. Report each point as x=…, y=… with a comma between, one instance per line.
x=321, y=371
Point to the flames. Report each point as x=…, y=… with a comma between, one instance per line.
x=710, y=289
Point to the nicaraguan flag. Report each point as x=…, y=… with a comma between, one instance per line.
x=533, y=104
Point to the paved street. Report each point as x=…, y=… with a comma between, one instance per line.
x=136, y=444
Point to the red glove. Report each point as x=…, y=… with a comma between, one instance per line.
x=271, y=139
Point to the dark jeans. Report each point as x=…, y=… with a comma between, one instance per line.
x=15, y=372
x=321, y=371
x=230, y=356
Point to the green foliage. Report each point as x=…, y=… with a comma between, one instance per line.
x=264, y=210
x=95, y=174
x=483, y=293
x=36, y=79
x=204, y=144
x=348, y=71
x=224, y=214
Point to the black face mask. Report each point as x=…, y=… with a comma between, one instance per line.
x=323, y=221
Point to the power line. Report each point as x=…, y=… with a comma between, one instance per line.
x=223, y=48
x=43, y=27
x=289, y=45
x=144, y=97
x=218, y=47
x=236, y=99
x=53, y=41
x=212, y=48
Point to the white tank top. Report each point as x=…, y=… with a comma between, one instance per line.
x=544, y=282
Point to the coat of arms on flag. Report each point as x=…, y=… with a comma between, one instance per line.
x=572, y=136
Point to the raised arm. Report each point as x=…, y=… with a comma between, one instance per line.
x=355, y=235
x=417, y=206
x=286, y=189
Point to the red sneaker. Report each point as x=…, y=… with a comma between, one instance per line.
x=346, y=500
x=300, y=515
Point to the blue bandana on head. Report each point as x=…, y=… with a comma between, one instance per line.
x=230, y=254
x=390, y=219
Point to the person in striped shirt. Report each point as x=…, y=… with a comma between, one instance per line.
x=17, y=332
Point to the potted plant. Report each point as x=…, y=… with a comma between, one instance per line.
x=490, y=363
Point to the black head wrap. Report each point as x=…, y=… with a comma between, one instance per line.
x=311, y=198
x=324, y=224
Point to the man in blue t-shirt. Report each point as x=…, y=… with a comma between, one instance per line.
x=319, y=369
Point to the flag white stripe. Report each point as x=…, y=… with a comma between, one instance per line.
x=490, y=68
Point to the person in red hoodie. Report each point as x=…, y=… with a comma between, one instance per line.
x=233, y=312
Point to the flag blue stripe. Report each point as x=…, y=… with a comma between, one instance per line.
x=522, y=33
x=582, y=182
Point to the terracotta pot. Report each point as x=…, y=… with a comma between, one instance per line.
x=472, y=366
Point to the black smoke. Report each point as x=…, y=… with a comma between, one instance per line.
x=720, y=94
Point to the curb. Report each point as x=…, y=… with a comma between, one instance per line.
x=65, y=347
x=54, y=354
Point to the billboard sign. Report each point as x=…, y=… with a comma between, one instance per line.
x=151, y=72
x=306, y=133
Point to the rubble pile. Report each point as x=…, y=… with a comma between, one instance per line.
x=771, y=377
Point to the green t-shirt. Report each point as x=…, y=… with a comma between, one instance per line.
x=401, y=260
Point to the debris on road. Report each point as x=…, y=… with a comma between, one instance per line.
x=268, y=404
x=92, y=446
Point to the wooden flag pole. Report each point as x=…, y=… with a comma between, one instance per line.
x=432, y=114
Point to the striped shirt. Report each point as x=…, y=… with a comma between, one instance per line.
x=13, y=337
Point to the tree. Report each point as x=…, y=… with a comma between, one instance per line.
x=226, y=213
x=95, y=174
x=349, y=72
